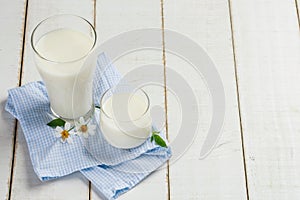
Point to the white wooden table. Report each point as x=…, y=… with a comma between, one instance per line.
x=256, y=48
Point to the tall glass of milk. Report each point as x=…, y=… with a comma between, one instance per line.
x=125, y=119
x=63, y=46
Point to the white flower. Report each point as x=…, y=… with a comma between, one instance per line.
x=64, y=133
x=84, y=129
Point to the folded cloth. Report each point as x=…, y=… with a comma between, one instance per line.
x=114, y=172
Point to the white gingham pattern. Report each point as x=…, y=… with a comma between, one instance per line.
x=116, y=172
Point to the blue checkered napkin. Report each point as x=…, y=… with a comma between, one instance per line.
x=114, y=171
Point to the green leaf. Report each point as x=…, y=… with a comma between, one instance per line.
x=151, y=139
x=56, y=122
x=159, y=141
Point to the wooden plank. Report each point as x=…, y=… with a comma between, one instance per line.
x=26, y=185
x=113, y=18
x=12, y=23
x=220, y=175
x=267, y=48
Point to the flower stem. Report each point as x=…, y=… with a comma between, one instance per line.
x=71, y=128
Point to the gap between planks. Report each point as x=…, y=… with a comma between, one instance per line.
x=238, y=95
x=165, y=90
x=297, y=11
x=16, y=121
x=94, y=24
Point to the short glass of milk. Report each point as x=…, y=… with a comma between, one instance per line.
x=64, y=55
x=125, y=119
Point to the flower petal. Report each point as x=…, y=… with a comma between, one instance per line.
x=67, y=126
x=62, y=140
x=57, y=134
x=77, y=125
x=59, y=129
x=85, y=135
x=92, y=126
x=69, y=140
x=81, y=121
x=92, y=132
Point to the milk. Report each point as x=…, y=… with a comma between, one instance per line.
x=125, y=120
x=68, y=80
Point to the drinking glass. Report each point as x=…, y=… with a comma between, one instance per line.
x=64, y=55
x=125, y=119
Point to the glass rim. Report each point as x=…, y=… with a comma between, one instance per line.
x=110, y=117
x=59, y=15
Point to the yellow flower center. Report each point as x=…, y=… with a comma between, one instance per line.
x=83, y=128
x=64, y=134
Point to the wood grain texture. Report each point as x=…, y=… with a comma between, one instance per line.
x=26, y=185
x=221, y=174
x=12, y=23
x=267, y=48
x=116, y=17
